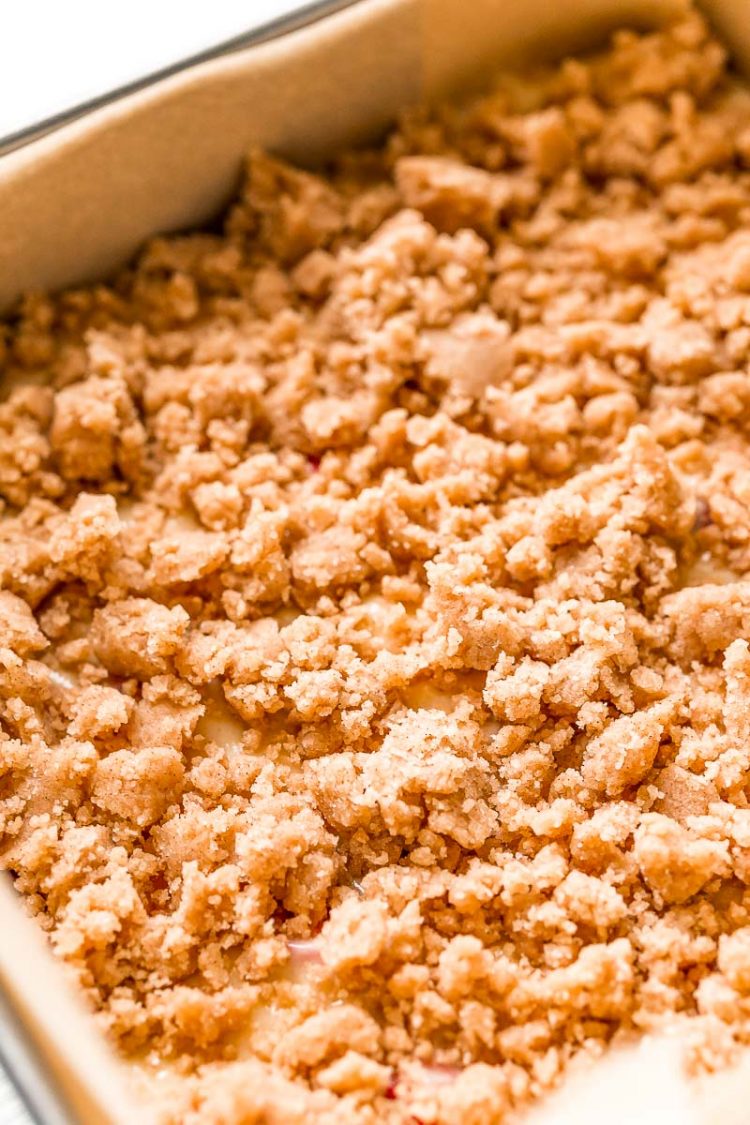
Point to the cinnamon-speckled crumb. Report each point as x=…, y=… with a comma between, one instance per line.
x=375, y=682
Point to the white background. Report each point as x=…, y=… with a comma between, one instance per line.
x=55, y=54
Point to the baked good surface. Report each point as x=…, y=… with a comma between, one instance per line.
x=375, y=603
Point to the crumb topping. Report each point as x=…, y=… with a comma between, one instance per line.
x=375, y=605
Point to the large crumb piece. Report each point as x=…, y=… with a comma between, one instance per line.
x=137, y=636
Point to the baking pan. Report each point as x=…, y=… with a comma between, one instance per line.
x=302, y=16
x=79, y=193
x=76, y=202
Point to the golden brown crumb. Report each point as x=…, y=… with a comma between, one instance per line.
x=374, y=676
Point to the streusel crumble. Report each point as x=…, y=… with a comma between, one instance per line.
x=375, y=607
